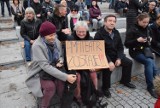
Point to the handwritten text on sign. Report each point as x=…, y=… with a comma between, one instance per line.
x=86, y=55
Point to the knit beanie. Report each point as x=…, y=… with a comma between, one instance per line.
x=47, y=28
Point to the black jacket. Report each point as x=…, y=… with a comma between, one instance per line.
x=37, y=8
x=113, y=47
x=60, y=23
x=155, y=37
x=30, y=29
x=131, y=42
x=133, y=7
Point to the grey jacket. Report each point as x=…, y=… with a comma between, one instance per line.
x=41, y=61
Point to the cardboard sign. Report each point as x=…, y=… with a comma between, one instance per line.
x=86, y=55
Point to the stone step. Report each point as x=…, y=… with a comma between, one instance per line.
x=11, y=53
x=13, y=88
x=8, y=35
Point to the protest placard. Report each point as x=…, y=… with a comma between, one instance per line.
x=86, y=55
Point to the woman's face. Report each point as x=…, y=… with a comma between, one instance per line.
x=15, y=2
x=143, y=23
x=94, y=3
x=81, y=32
x=152, y=5
x=74, y=12
x=50, y=38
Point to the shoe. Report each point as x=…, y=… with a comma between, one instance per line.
x=153, y=93
x=2, y=15
x=107, y=93
x=129, y=85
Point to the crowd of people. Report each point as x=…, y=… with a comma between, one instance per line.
x=46, y=25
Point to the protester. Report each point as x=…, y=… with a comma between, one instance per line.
x=46, y=65
x=64, y=3
x=122, y=7
x=155, y=44
x=59, y=19
x=37, y=8
x=82, y=9
x=95, y=16
x=29, y=31
x=47, y=9
x=157, y=89
x=138, y=42
x=73, y=17
x=17, y=12
x=115, y=54
x=151, y=10
x=133, y=11
x=8, y=7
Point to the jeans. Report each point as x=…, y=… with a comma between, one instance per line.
x=150, y=69
x=27, y=48
x=84, y=14
x=8, y=6
x=97, y=23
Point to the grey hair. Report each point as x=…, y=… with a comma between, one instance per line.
x=30, y=10
x=81, y=24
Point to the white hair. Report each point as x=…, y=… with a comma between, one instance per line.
x=81, y=24
x=30, y=10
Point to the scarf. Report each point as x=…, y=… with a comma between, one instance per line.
x=53, y=52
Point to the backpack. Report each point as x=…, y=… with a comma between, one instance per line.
x=88, y=94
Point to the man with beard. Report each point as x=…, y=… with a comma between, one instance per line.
x=115, y=54
x=29, y=30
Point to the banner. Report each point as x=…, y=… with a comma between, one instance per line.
x=86, y=55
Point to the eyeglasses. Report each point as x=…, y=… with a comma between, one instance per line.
x=74, y=10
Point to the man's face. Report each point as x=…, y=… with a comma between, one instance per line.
x=152, y=5
x=63, y=11
x=29, y=15
x=50, y=38
x=81, y=32
x=110, y=23
x=143, y=23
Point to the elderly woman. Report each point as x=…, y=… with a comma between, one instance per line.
x=29, y=30
x=137, y=40
x=45, y=76
x=81, y=33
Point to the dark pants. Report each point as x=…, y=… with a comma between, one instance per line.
x=8, y=6
x=126, y=73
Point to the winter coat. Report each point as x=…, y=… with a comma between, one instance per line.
x=132, y=13
x=60, y=23
x=47, y=7
x=94, y=13
x=70, y=20
x=41, y=61
x=15, y=12
x=131, y=42
x=37, y=8
x=155, y=37
x=113, y=47
x=30, y=29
